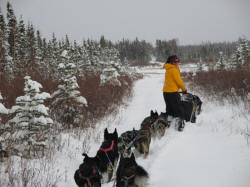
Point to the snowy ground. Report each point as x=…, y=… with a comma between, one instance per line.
x=214, y=152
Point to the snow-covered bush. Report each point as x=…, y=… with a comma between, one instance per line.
x=31, y=122
x=68, y=104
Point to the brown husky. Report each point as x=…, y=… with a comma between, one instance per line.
x=146, y=129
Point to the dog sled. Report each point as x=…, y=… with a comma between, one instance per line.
x=191, y=105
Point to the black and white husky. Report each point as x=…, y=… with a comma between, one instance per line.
x=130, y=174
x=108, y=155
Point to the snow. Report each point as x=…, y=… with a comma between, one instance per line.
x=82, y=100
x=213, y=152
x=64, y=54
x=3, y=109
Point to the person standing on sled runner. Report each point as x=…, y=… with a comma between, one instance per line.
x=173, y=83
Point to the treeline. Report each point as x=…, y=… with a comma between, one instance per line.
x=141, y=52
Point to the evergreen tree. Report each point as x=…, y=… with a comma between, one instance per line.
x=6, y=61
x=111, y=66
x=241, y=56
x=21, y=47
x=200, y=65
x=54, y=54
x=76, y=58
x=221, y=64
x=31, y=120
x=11, y=30
x=39, y=48
x=68, y=99
x=244, y=51
x=31, y=41
x=93, y=51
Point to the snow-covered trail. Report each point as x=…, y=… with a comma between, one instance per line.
x=209, y=153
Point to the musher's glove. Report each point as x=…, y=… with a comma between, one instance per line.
x=184, y=92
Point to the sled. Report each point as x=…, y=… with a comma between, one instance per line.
x=191, y=105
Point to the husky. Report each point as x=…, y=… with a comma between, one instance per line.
x=137, y=139
x=160, y=125
x=145, y=131
x=108, y=154
x=126, y=142
x=198, y=103
x=130, y=174
x=88, y=173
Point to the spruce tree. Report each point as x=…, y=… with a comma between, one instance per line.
x=241, y=56
x=221, y=64
x=11, y=30
x=111, y=67
x=68, y=104
x=31, y=42
x=21, y=47
x=31, y=120
x=6, y=61
x=200, y=65
x=38, y=48
x=244, y=52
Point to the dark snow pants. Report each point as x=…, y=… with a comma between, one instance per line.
x=173, y=104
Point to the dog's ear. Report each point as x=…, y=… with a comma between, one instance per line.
x=132, y=157
x=116, y=134
x=156, y=114
x=106, y=133
x=86, y=157
x=151, y=113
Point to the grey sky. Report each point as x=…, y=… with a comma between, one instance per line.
x=191, y=21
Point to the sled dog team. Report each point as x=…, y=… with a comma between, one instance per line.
x=116, y=150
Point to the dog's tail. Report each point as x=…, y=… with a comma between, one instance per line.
x=141, y=176
x=140, y=171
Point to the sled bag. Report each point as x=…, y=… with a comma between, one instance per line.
x=188, y=107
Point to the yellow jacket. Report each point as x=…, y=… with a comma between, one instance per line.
x=173, y=81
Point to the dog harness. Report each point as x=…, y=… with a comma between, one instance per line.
x=126, y=179
x=108, y=149
x=95, y=174
x=110, y=166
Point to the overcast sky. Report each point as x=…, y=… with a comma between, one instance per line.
x=191, y=21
